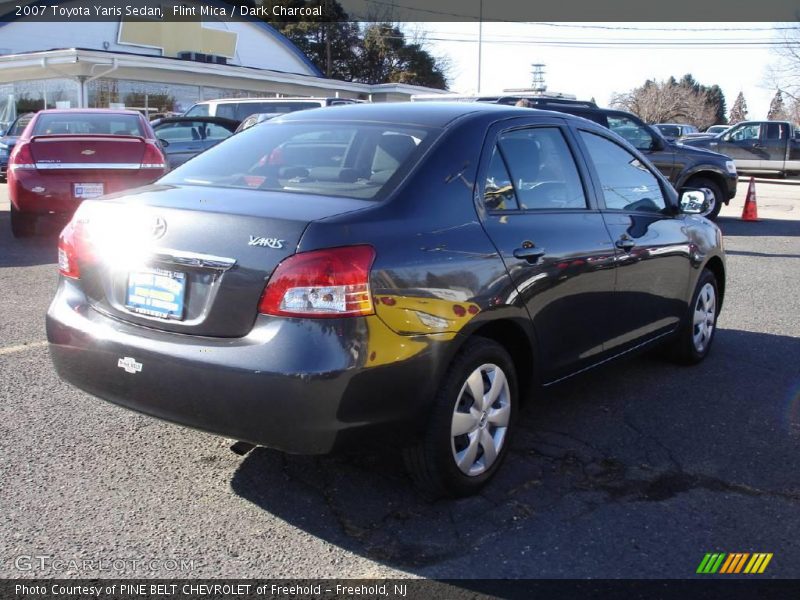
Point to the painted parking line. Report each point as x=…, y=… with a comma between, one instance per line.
x=22, y=347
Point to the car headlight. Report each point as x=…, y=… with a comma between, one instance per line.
x=731, y=166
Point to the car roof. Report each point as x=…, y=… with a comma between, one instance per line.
x=271, y=99
x=426, y=114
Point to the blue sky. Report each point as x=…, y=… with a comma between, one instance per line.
x=581, y=59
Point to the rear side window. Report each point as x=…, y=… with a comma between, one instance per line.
x=498, y=192
x=776, y=131
x=356, y=160
x=88, y=123
x=626, y=182
x=542, y=169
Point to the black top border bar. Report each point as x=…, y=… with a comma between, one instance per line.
x=512, y=11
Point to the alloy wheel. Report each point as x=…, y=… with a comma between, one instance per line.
x=705, y=314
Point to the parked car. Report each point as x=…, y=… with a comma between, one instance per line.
x=255, y=119
x=683, y=166
x=182, y=138
x=412, y=295
x=9, y=138
x=673, y=131
x=758, y=146
x=66, y=156
x=241, y=108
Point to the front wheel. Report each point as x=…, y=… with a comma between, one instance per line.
x=714, y=193
x=468, y=434
x=697, y=331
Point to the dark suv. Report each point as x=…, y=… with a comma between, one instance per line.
x=682, y=165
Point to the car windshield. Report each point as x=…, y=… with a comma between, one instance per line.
x=88, y=123
x=356, y=160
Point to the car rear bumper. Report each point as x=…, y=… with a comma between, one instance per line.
x=301, y=386
x=53, y=193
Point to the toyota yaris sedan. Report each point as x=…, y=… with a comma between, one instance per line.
x=401, y=274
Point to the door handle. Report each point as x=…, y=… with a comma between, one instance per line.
x=625, y=243
x=758, y=146
x=531, y=254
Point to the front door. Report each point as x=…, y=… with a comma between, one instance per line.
x=543, y=221
x=652, y=251
x=742, y=143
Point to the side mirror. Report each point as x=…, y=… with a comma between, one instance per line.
x=693, y=201
x=164, y=143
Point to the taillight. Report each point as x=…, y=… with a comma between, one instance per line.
x=21, y=157
x=68, y=250
x=322, y=283
x=73, y=243
x=153, y=158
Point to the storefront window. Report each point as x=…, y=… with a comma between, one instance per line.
x=29, y=96
x=147, y=97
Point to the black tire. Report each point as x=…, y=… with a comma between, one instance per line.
x=684, y=349
x=432, y=460
x=716, y=192
x=22, y=225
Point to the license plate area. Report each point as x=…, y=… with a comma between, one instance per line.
x=156, y=293
x=85, y=191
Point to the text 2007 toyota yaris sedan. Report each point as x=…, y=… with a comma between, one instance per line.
x=399, y=273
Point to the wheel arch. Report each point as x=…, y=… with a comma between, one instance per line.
x=716, y=266
x=519, y=344
x=706, y=173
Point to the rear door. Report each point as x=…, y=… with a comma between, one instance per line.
x=652, y=249
x=774, y=139
x=540, y=214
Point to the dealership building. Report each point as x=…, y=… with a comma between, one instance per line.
x=157, y=66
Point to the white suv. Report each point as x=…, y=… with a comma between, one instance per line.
x=241, y=108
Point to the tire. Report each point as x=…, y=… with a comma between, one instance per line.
x=432, y=462
x=696, y=333
x=714, y=190
x=22, y=224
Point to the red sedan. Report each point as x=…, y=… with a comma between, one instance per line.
x=66, y=156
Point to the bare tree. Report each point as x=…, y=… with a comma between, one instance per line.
x=669, y=102
x=738, y=110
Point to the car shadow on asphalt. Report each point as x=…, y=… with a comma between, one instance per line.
x=732, y=226
x=41, y=249
x=637, y=433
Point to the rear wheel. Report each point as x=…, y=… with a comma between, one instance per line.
x=697, y=331
x=714, y=193
x=468, y=433
x=22, y=224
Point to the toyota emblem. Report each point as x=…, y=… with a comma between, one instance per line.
x=159, y=228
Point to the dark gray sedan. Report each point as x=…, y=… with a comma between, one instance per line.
x=183, y=138
x=401, y=275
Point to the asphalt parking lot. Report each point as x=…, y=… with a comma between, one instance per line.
x=637, y=471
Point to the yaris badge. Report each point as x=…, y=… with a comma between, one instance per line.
x=130, y=365
x=273, y=243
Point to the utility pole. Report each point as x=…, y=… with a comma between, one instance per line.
x=480, y=42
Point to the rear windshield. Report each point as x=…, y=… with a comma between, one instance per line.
x=241, y=110
x=88, y=123
x=355, y=160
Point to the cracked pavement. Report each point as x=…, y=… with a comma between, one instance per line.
x=635, y=470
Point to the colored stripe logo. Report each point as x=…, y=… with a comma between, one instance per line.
x=733, y=563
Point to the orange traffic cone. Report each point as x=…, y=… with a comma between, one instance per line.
x=750, y=212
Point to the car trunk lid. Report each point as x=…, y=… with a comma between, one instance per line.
x=192, y=259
